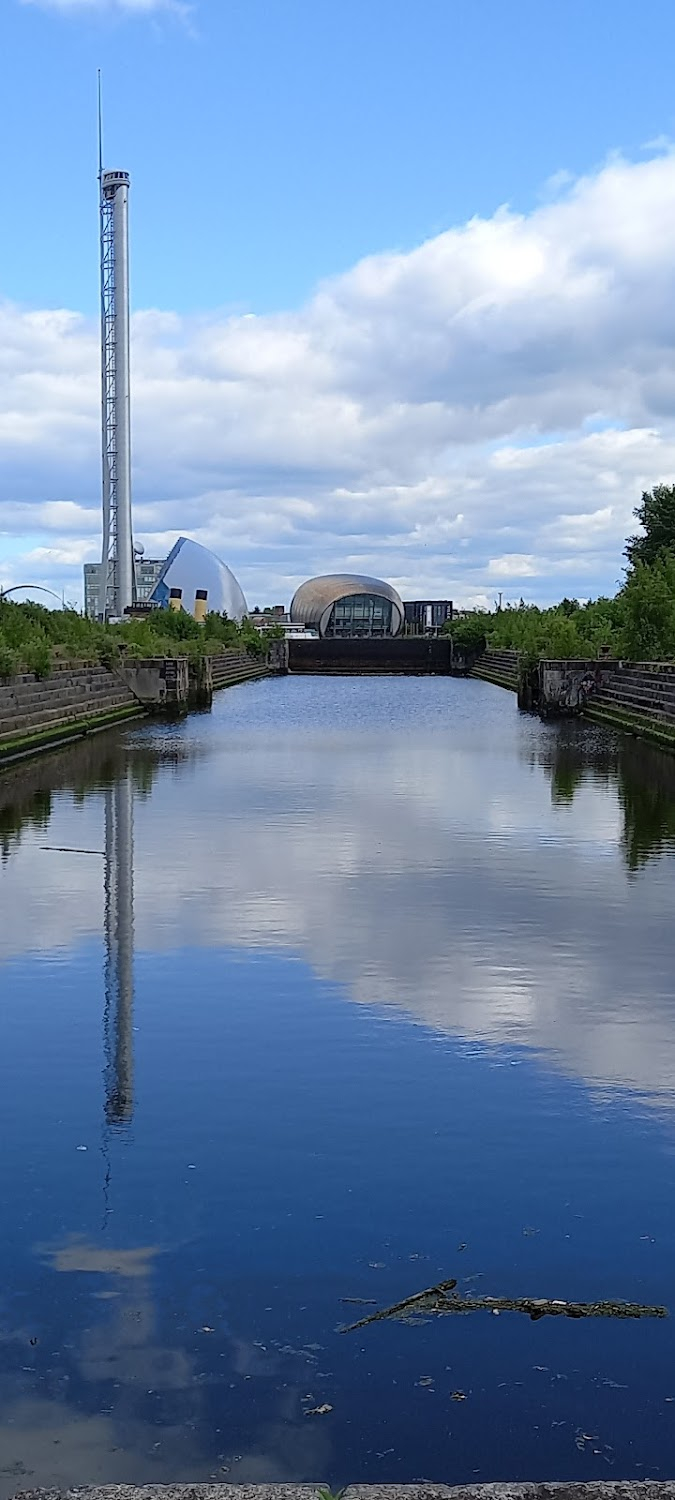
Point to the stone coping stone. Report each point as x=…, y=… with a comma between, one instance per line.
x=592, y=1490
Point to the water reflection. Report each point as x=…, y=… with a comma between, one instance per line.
x=118, y=925
x=644, y=777
x=396, y=967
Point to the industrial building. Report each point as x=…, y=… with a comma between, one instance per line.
x=346, y=606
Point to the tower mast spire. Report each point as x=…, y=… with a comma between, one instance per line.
x=117, y=562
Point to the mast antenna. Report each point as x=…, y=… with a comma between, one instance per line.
x=117, y=580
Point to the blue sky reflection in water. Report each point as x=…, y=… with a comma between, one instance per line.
x=402, y=1009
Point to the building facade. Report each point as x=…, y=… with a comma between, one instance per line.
x=426, y=616
x=148, y=570
x=347, y=606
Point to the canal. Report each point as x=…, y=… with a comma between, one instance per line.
x=347, y=987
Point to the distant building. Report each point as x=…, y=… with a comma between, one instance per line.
x=148, y=570
x=194, y=579
x=423, y=616
x=264, y=620
x=346, y=605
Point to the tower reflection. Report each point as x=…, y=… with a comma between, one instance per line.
x=119, y=946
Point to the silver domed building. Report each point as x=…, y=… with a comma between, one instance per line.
x=190, y=571
x=346, y=605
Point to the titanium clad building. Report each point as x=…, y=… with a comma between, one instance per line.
x=346, y=606
x=191, y=567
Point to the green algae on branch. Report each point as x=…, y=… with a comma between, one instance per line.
x=435, y=1300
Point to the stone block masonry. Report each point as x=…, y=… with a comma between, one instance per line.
x=236, y=666
x=77, y=698
x=499, y=667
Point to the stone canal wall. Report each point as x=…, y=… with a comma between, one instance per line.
x=236, y=666
x=500, y=667
x=77, y=698
x=82, y=698
x=638, y=697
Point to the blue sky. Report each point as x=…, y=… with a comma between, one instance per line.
x=273, y=146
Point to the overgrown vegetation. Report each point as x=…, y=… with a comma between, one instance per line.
x=34, y=639
x=638, y=624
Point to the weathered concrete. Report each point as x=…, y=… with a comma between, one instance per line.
x=161, y=684
x=592, y=1490
x=566, y=686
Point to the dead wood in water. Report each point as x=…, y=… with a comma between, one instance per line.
x=436, y=1301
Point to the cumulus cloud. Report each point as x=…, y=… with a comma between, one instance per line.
x=481, y=411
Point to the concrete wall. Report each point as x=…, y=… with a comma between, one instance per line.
x=567, y=686
x=159, y=683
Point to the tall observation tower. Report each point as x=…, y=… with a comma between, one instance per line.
x=117, y=571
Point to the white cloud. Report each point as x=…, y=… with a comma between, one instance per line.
x=488, y=405
x=125, y=7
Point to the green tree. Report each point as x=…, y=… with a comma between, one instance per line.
x=656, y=514
x=647, y=603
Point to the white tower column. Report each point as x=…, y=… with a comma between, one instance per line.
x=117, y=572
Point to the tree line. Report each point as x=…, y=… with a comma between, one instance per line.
x=636, y=624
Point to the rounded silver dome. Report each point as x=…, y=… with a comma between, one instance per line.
x=314, y=602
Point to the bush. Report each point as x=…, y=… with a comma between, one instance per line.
x=38, y=656
x=9, y=661
x=469, y=634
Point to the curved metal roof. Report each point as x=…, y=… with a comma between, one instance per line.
x=189, y=567
x=314, y=599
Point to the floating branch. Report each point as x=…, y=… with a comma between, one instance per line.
x=435, y=1300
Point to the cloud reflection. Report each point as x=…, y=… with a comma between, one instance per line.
x=480, y=882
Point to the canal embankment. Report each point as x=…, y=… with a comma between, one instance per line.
x=637, y=697
x=498, y=667
x=81, y=698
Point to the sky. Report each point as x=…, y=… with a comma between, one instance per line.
x=403, y=286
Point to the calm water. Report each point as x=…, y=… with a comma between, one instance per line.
x=359, y=984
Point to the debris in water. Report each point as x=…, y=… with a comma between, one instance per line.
x=426, y=1380
x=458, y=1396
x=318, y=1411
x=360, y=1301
x=435, y=1300
x=206, y=1329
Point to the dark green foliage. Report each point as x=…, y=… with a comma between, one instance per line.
x=32, y=638
x=656, y=514
x=648, y=610
x=469, y=634
x=565, y=631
